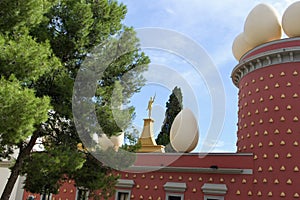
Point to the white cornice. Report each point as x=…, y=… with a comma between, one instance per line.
x=265, y=59
x=175, y=187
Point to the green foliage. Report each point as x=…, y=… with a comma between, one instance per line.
x=25, y=58
x=75, y=27
x=119, y=160
x=93, y=175
x=18, y=14
x=43, y=44
x=121, y=79
x=174, y=106
x=45, y=171
x=132, y=143
x=58, y=85
x=58, y=156
x=32, y=112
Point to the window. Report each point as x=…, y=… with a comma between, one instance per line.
x=123, y=195
x=46, y=196
x=174, y=190
x=174, y=197
x=30, y=197
x=82, y=194
x=124, y=189
x=214, y=191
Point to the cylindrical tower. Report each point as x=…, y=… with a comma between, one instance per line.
x=268, y=78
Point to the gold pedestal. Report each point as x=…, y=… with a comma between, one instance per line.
x=147, y=141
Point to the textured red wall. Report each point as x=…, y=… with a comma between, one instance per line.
x=66, y=192
x=150, y=185
x=268, y=126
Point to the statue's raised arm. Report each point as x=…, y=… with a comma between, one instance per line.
x=149, y=108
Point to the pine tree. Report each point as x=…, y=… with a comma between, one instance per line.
x=174, y=106
x=43, y=44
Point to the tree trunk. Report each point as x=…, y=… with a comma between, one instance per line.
x=15, y=171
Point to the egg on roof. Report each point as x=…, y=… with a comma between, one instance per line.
x=262, y=25
x=240, y=46
x=104, y=142
x=184, y=134
x=290, y=20
x=117, y=140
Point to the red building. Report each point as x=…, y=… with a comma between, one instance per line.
x=266, y=165
x=268, y=117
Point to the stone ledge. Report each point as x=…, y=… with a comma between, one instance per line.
x=266, y=59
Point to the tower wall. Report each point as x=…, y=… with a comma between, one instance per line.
x=268, y=78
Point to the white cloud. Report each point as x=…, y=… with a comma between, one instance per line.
x=212, y=146
x=170, y=11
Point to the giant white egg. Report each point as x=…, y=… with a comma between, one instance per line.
x=117, y=140
x=240, y=46
x=262, y=25
x=114, y=141
x=184, y=134
x=290, y=20
x=104, y=142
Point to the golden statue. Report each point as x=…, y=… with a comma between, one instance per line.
x=149, y=108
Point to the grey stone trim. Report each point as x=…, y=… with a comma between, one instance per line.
x=192, y=170
x=265, y=59
x=207, y=197
x=219, y=189
x=124, y=183
x=175, y=187
x=283, y=40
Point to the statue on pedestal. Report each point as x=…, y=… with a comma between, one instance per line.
x=149, y=108
x=147, y=141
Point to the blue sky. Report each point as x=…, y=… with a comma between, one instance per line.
x=213, y=25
